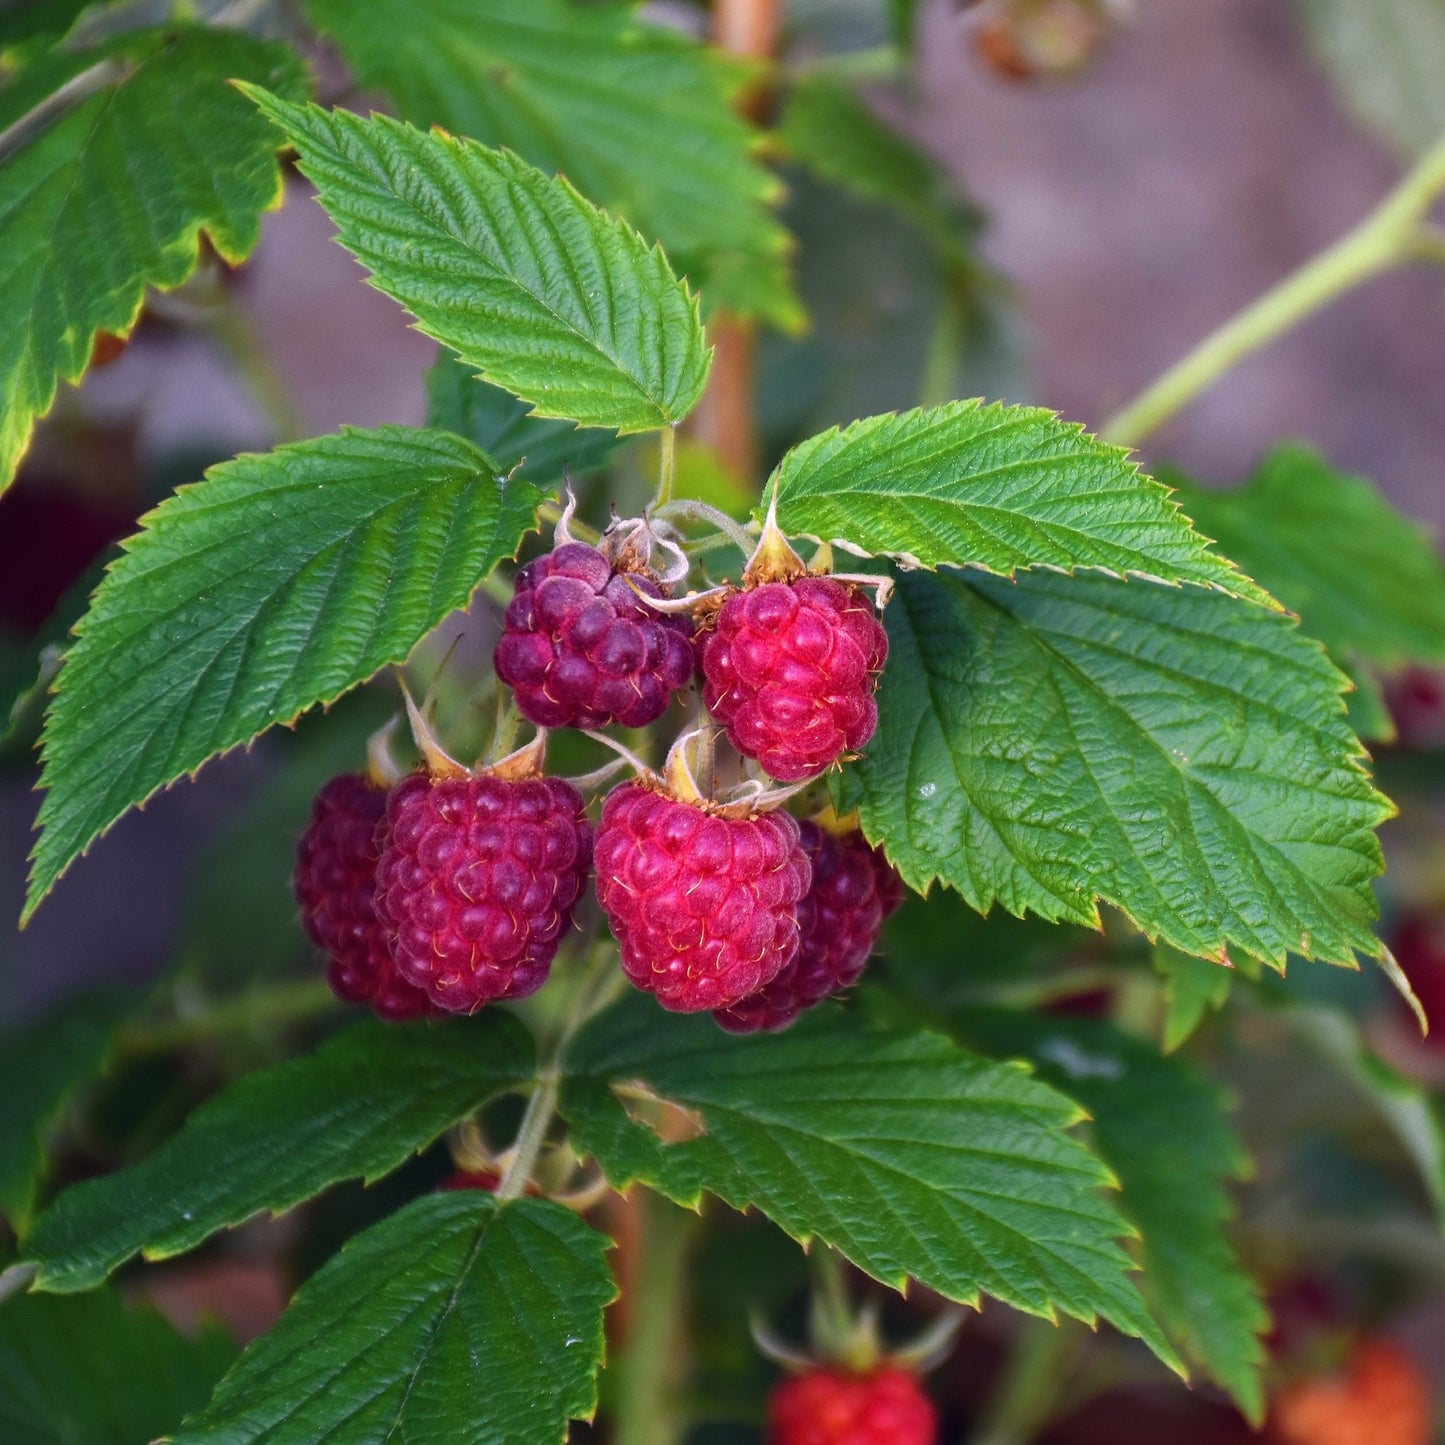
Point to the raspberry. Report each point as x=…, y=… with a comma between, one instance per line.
x=1419, y=947
x=789, y=670
x=838, y=921
x=831, y=1407
x=487, y=1180
x=705, y=907
x=1382, y=1399
x=335, y=884
x=477, y=881
x=581, y=650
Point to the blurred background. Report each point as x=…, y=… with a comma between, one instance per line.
x=1122, y=178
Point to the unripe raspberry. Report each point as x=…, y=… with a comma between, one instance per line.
x=335, y=884
x=581, y=650
x=477, y=881
x=705, y=907
x=789, y=669
x=838, y=920
x=1381, y=1399
x=832, y=1407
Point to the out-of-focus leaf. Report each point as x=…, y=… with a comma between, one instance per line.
x=41, y=1065
x=1387, y=58
x=89, y=1370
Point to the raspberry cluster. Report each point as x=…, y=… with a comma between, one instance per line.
x=476, y=882
x=705, y=907
x=854, y=889
x=581, y=649
x=335, y=884
x=829, y=1406
x=789, y=669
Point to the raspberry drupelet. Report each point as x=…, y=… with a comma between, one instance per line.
x=335, y=884
x=704, y=906
x=581, y=649
x=477, y=881
x=789, y=669
x=831, y=1406
x=839, y=919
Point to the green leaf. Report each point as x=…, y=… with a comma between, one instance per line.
x=1398, y=1101
x=1365, y=580
x=639, y=118
x=523, y=445
x=456, y=1319
x=1162, y=1128
x=356, y=1108
x=512, y=269
x=828, y=127
x=91, y=1371
x=910, y=1156
x=41, y=1066
x=996, y=487
x=1176, y=752
x=114, y=195
x=278, y=582
x=1387, y=57
x=1193, y=987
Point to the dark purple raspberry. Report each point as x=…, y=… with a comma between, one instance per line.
x=477, y=882
x=335, y=884
x=705, y=907
x=581, y=650
x=789, y=669
x=838, y=922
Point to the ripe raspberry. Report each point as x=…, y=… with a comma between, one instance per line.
x=1382, y=1399
x=789, y=669
x=838, y=921
x=831, y=1407
x=477, y=881
x=581, y=650
x=705, y=907
x=335, y=884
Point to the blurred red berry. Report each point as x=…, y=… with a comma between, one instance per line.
x=832, y=1407
x=1381, y=1398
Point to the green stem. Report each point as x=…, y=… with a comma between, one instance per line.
x=648, y=1371
x=666, y=464
x=1391, y=235
x=1027, y=1394
x=600, y=983
x=290, y=1002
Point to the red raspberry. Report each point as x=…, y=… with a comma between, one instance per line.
x=335, y=884
x=486, y=1180
x=838, y=922
x=831, y=1407
x=705, y=907
x=477, y=881
x=789, y=669
x=581, y=650
x=1381, y=1399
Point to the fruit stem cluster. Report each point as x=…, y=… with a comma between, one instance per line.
x=1395, y=233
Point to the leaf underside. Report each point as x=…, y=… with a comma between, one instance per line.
x=456, y=1319
x=1179, y=753
x=994, y=487
x=356, y=1108
x=278, y=582
x=908, y=1155
x=512, y=269
x=114, y=195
